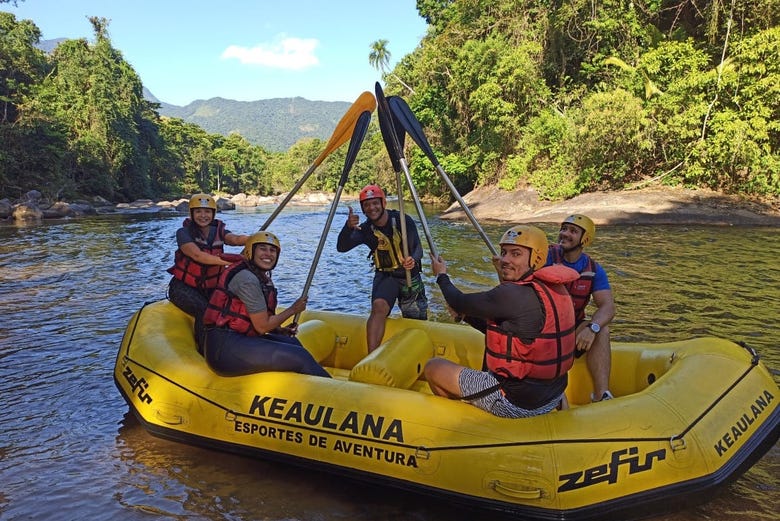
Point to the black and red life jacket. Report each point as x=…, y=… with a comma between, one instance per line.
x=549, y=355
x=225, y=309
x=580, y=289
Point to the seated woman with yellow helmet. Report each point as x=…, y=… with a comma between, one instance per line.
x=243, y=332
x=200, y=258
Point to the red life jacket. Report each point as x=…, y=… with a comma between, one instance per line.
x=225, y=309
x=580, y=289
x=195, y=274
x=549, y=355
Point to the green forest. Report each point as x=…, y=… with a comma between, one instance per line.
x=563, y=97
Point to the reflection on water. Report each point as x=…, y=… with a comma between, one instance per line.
x=175, y=480
x=70, y=450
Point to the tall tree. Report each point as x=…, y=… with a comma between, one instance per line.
x=30, y=151
x=379, y=58
x=22, y=65
x=95, y=93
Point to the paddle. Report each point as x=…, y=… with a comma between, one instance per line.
x=358, y=133
x=390, y=137
x=342, y=132
x=393, y=147
x=404, y=116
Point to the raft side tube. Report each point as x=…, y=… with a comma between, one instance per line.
x=639, y=368
x=318, y=338
x=398, y=362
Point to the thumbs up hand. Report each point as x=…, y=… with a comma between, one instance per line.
x=353, y=221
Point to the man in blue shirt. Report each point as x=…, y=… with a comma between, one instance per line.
x=578, y=231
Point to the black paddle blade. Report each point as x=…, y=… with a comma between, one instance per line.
x=358, y=133
x=400, y=131
x=405, y=118
x=389, y=135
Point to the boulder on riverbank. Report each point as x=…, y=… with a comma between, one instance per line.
x=661, y=205
x=33, y=207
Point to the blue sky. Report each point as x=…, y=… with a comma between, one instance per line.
x=241, y=49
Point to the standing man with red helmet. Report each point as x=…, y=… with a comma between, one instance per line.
x=578, y=231
x=381, y=232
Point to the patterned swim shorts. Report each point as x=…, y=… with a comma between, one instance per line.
x=472, y=381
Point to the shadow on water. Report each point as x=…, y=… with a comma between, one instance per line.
x=67, y=289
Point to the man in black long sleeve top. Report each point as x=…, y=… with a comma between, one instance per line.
x=528, y=321
x=381, y=232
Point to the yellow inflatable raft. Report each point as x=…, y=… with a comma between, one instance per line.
x=688, y=416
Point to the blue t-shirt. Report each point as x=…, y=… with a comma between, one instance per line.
x=600, y=280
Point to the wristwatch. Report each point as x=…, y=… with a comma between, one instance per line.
x=594, y=327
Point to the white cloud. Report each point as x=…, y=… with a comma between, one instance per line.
x=286, y=53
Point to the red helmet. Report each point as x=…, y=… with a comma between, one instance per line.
x=372, y=192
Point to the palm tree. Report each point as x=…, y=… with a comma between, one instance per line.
x=379, y=58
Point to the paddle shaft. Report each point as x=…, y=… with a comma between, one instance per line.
x=418, y=205
x=358, y=133
x=404, y=236
x=406, y=118
x=320, y=246
x=289, y=196
x=466, y=209
x=390, y=137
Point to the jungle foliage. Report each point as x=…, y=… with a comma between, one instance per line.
x=577, y=96
x=564, y=97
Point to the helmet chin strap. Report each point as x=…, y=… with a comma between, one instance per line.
x=526, y=274
x=567, y=250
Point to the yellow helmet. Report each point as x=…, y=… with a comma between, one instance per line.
x=532, y=238
x=260, y=238
x=584, y=222
x=202, y=201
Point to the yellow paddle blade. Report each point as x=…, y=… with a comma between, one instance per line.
x=345, y=127
x=344, y=130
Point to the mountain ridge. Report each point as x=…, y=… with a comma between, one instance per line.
x=275, y=124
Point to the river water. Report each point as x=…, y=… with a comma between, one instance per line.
x=69, y=449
